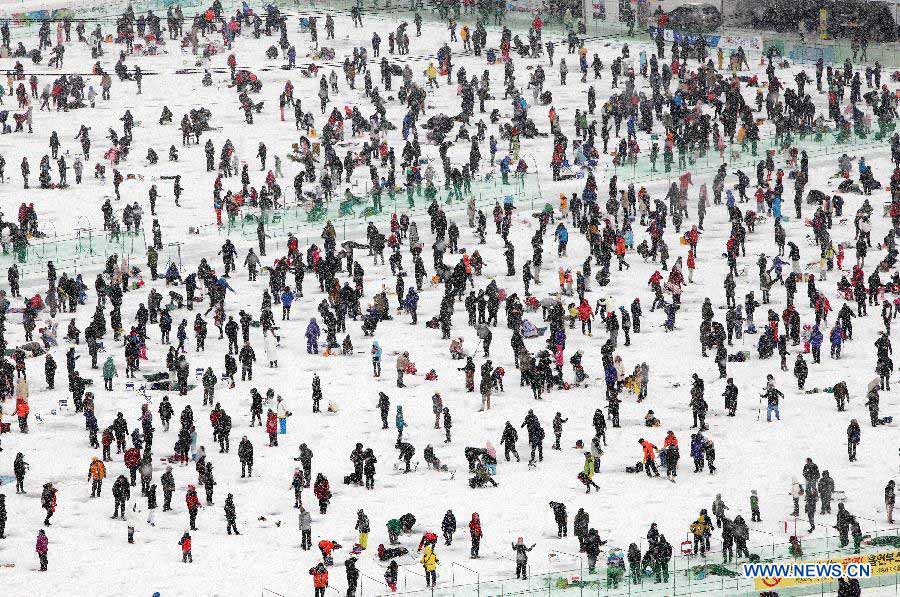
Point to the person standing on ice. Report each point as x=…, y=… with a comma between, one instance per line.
x=42, y=547
x=247, y=356
x=312, y=337
x=587, y=473
x=522, y=557
x=430, y=562
x=320, y=579
x=772, y=396
x=649, y=457
x=121, y=494
x=185, y=543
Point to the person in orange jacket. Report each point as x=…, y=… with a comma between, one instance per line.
x=22, y=410
x=620, y=251
x=327, y=547
x=670, y=445
x=96, y=474
x=320, y=579
x=649, y=457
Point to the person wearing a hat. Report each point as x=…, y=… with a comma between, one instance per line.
x=522, y=556
x=185, y=543
x=41, y=547
x=362, y=525
x=96, y=474
x=193, y=505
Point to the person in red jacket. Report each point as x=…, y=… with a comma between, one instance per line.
x=585, y=314
x=428, y=538
x=475, y=533
x=272, y=428
x=322, y=492
x=106, y=442
x=133, y=462
x=193, y=504
x=185, y=543
x=320, y=579
x=691, y=265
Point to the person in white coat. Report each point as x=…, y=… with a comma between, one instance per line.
x=282, y=413
x=796, y=493
x=271, y=346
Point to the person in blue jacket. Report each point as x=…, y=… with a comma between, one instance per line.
x=287, y=299
x=312, y=337
x=400, y=423
x=815, y=341
x=776, y=207
x=504, y=169
x=411, y=304
x=376, y=358
x=562, y=237
x=837, y=338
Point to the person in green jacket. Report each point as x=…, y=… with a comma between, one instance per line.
x=394, y=528
x=109, y=371
x=209, y=386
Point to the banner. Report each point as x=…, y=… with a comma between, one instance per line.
x=670, y=35
x=882, y=564
x=748, y=42
x=529, y=6
x=726, y=42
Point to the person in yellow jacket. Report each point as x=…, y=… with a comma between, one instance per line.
x=96, y=474
x=741, y=136
x=701, y=530
x=432, y=73
x=587, y=475
x=430, y=562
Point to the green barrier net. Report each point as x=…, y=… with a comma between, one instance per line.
x=554, y=21
x=687, y=575
x=748, y=154
x=350, y=216
x=86, y=247
x=809, y=50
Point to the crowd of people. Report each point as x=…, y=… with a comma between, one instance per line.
x=568, y=316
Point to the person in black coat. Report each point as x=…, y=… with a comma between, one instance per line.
x=352, y=576
x=848, y=587
x=168, y=485
x=245, y=455
x=50, y=371
x=561, y=518
x=448, y=527
x=121, y=494
x=230, y=515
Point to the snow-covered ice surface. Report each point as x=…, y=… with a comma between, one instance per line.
x=88, y=551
